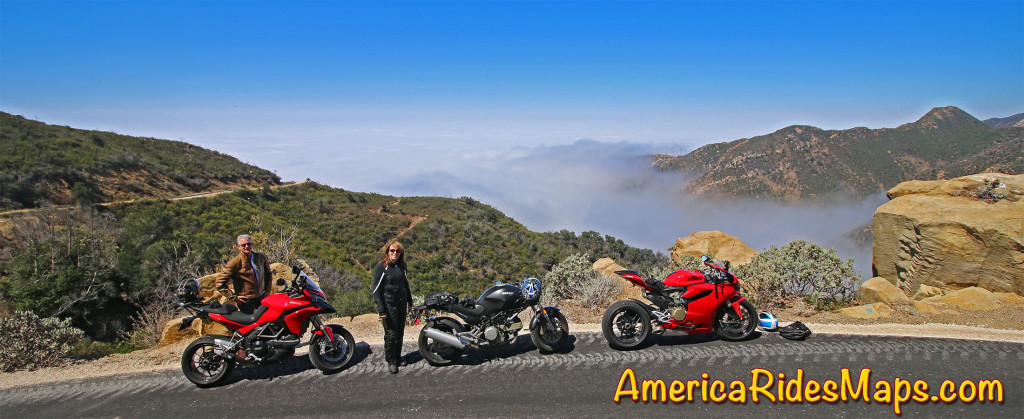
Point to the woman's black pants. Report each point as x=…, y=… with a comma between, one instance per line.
x=394, y=329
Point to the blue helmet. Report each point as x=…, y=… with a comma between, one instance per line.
x=767, y=321
x=531, y=288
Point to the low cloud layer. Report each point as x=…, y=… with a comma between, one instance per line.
x=610, y=188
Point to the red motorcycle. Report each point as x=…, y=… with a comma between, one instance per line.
x=689, y=301
x=270, y=334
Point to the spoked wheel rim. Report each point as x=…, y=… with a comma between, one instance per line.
x=207, y=363
x=552, y=336
x=334, y=352
x=627, y=325
x=735, y=326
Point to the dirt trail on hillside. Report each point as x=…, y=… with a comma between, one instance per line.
x=8, y=213
x=5, y=216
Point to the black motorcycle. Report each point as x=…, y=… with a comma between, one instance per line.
x=490, y=322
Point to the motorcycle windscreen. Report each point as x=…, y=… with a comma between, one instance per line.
x=313, y=287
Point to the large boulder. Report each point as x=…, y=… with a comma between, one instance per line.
x=880, y=290
x=953, y=234
x=717, y=243
x=925, y=291
x=972, y=298
x=607, y=267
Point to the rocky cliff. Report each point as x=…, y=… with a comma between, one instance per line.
x=953, y=234
x=717, y=243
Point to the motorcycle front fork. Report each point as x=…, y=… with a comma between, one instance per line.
x=546, y=322
x=318, y=325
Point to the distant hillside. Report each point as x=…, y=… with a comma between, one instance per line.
x=44, y=163
x=800, y=162
x=1010, y=121
x=114, y=264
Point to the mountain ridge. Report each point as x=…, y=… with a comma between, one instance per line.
x=804, y=162
x=53, y=164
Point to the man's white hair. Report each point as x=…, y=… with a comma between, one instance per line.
x=243, y=236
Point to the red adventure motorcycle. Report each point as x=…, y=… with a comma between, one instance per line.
x=689, y=301
x=270, y=334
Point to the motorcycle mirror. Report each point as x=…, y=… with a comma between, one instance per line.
x=280, y=281
x=296, y=269
x=726, y=265
x=705, y=259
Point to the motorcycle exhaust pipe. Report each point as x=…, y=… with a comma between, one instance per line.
x=223, y=347
x=445, y=338
x=286, y=344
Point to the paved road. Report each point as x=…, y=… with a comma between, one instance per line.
x=519, y=382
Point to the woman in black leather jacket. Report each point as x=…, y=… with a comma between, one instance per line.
x=394, y=300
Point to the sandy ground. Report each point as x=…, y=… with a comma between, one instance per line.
x=1005, y=324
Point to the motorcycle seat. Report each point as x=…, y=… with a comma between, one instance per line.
x=222, y=309
x=243, y=318
x=474, y=311
x=657, y=284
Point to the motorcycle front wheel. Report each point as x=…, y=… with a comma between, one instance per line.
x=435, y=352
x=202, y=365
x=551, y=341
x=626, y=325
x=732, y=327
x=328, y=356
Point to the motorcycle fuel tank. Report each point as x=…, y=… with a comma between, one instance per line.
x=499, y=297
x=683, y=278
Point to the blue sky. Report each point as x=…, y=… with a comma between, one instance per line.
x=507, y=73
x=445, y=95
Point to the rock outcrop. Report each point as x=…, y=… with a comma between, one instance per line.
x=880, y=290
x=953, y=234
x=607, y=267
x=717, y=243
x=972, y=298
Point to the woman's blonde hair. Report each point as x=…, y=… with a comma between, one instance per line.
x=401, y=254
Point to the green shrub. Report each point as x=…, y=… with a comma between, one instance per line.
x=567, y=277
x=598, y=290
x=29, y=342
x=91, y=349
x=691, y=263
x=798, y=269
x=574, y=277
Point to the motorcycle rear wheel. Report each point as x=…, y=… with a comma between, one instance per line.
x=547, y=341
x=438, y=353
x=731, y=327
x=626, y=325
x=332, y=358
x=202, y=365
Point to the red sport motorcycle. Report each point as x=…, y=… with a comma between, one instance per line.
x=270, y=334
x=689, y=301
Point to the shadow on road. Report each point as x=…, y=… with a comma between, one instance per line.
x=520, y=346
x=680, y=338
x=294, y=365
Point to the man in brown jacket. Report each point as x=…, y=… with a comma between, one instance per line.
x=250, y=276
